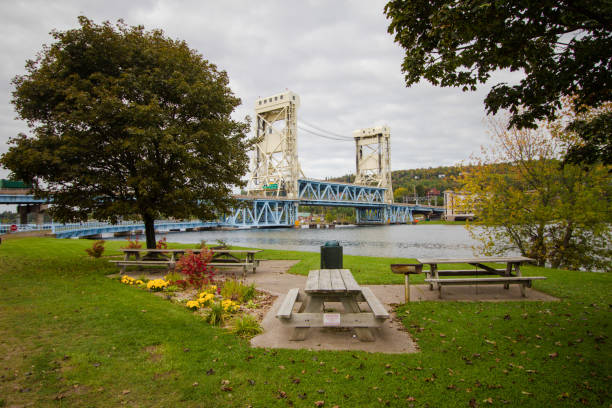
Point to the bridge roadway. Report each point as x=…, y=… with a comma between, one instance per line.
x=261, y=212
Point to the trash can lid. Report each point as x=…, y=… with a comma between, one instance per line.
x=331, y=243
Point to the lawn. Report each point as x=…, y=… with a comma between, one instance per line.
x=69, y=336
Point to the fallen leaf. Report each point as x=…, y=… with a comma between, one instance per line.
x=319, y=403
x=281, y=394
x=210, y=372
x=488, y=400
x=125, y=392
x=526, y=393
x=473, y=403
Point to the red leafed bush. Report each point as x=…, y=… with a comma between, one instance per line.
x=132, y=244
x=196, y=269
x=96, y=250
x=162, y=244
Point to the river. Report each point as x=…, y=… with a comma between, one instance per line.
x=408, y=241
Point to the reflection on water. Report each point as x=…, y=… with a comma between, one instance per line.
x=409, y=241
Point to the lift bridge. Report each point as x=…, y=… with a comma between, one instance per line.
x=277, y=186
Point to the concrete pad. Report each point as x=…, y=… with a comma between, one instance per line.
x=466, y=293
x=391, y=338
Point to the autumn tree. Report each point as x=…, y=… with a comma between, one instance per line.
x=523, y=198
x=127, y=123
x=563, y=48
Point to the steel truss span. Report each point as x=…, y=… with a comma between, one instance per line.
x=263, y=213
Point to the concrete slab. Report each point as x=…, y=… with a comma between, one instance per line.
x=391, y=338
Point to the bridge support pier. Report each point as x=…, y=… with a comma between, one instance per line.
x=37, y=209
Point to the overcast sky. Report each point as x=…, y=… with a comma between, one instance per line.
x=337, y=55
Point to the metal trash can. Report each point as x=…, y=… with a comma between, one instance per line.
x=331, y=255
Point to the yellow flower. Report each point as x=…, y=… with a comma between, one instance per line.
x=229, y=305
x=206, y=299
x=157, y=284
x=193, y=304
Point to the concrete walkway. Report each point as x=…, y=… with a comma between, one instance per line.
x=393, y=338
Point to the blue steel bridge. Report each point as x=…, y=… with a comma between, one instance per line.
x=276, y=185
x=255, y=212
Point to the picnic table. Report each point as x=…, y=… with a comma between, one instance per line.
x=332, y=285
x=168, y=257
x=503, y=276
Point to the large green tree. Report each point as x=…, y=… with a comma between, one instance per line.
x=127, y=123
x=563, y=47
x=524, y=199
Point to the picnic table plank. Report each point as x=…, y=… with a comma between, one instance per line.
x=325, y=280
x=491, y=259
x=312, y=283
x=349, y=281
x=377, y=308
x=284, y=312
x=337, y=282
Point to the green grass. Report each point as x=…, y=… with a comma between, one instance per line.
x=72, y=337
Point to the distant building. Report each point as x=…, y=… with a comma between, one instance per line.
x=432, y=192
x=455, y=208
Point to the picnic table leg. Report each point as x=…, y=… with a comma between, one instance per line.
x=313, y=305
x=351, y=306
x=126, y=257
x=517, y=268
x=507, y=274
x=432, y=274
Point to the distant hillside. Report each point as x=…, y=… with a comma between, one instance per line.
x=419, y=180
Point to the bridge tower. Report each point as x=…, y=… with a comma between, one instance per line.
x=373, y=158
x=276, y=168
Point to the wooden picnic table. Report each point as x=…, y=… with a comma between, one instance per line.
x=221, y=257
x=503, y=276
x=332, y=285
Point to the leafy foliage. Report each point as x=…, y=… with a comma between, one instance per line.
x=196, y=268
x=133, y=244
x=236, y=290
x=127, y=123
x=246, y=326
x=216, y=314
x=563, y=47
x=96, y=249
x=555, y=214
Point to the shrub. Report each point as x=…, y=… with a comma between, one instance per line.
x=132, y=244
x=235, y=290
x=246, y=326
x=173, y=277
x=162, y=244
x=96, y=249
x=216, y=314
x=196, y=269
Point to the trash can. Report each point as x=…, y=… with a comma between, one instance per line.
x=331, y=255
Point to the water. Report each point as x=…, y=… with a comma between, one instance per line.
x=406, y=241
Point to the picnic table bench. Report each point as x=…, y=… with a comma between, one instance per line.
x=222, y=258
x=473, y=276
x=332, y=285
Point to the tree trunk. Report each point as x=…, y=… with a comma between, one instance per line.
x=149, y=223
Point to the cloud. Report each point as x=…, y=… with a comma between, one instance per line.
x=337, y=55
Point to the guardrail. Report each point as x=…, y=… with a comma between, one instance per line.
x=96, y=227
